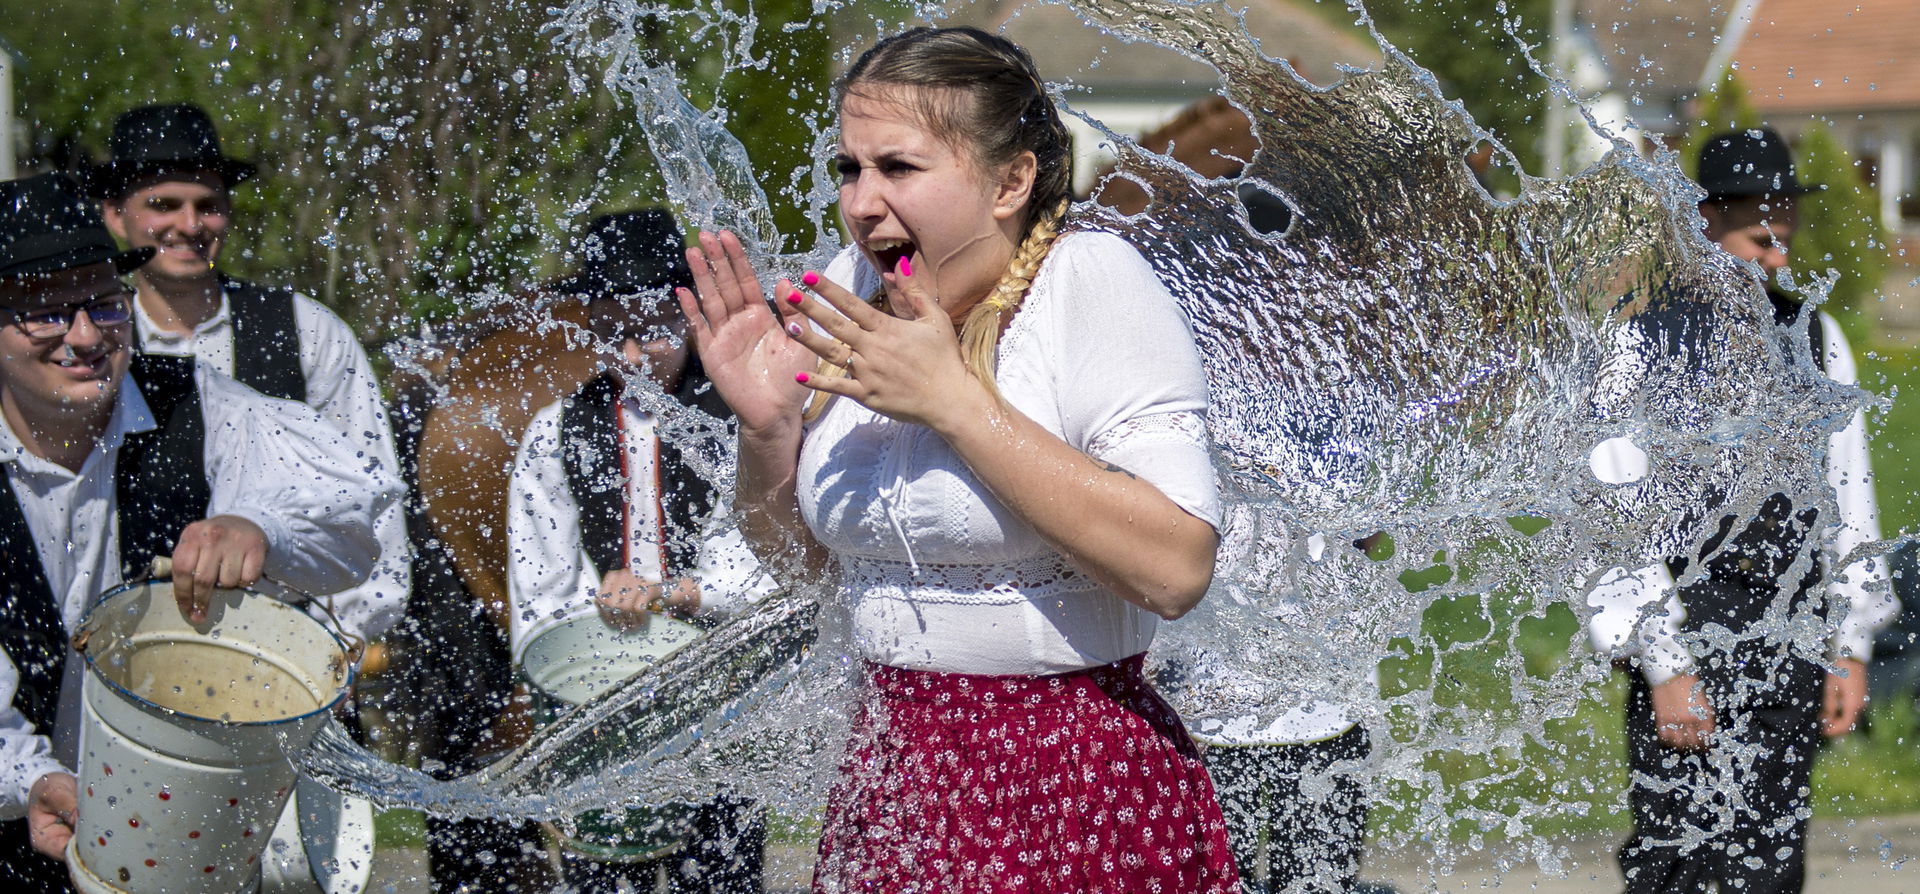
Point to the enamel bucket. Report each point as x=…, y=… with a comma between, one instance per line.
x=568, y=664
x=184, y=731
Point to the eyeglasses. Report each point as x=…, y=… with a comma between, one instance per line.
x=110, y=309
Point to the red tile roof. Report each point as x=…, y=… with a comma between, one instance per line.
x=1824, y=56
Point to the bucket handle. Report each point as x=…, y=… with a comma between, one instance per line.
x=161, y=568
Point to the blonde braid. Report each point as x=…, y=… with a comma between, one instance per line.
x=980, y=336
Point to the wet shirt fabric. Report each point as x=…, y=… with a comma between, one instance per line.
x=939, y=574
x=552, y=577
x=339, y=382
x=1621, y=596
x=273, y=462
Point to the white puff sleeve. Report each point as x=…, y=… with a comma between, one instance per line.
x=1130, y=384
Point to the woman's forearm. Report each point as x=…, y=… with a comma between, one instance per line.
x=1112, y=525
x=768, y=508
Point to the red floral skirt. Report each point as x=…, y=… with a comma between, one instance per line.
x=1062, y=784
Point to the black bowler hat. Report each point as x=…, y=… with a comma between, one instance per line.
x=46, y=226
x=154, y=139
x=628, y=253
x=1741, y=163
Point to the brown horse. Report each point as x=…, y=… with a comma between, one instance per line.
x=521, y=359
x=1210, y=136
x=468, y=392
x=1215, y=140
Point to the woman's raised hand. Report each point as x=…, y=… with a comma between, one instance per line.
x=907, y=367
x=741, y=343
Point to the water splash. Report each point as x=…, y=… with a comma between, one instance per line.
x=1413, y=356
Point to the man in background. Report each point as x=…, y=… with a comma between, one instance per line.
x=1721, y=737
x=167, y=187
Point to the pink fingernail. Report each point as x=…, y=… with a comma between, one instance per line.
x=796, y=297
x=810, y=278
x=793, y=329
x=906, y=267
x=801, y=378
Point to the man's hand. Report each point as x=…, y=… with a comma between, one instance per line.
x=223, y=551
x=1681, y=714
x=1844, y=698
x=50, y=808
x=625, y=600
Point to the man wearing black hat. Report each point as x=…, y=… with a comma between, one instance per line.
x=166, y=187
x=107, y=462
x=1721, y=744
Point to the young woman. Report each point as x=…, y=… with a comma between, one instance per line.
x=993, y=428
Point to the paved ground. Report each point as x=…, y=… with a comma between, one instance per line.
x=1869, y=856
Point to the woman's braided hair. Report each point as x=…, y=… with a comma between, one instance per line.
x=982, y=92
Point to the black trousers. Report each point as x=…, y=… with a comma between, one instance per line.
x=724, y=855
x=1313, y=831
x=24, y=869
x=1736, y=813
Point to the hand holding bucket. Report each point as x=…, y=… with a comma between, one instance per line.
x=161, y=568
x=626, y=601
x=223, y=551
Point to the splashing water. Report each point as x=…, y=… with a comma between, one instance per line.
x=1413, y=356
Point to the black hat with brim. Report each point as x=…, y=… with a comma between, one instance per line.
x=629, y=253
x=1743, y=163
x=47, y=225
x=152, y=141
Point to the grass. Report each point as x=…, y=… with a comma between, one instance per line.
x=1569, y=778
x=400, y=828
x=1547, y=777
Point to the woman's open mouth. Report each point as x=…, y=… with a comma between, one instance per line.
x=888, y=252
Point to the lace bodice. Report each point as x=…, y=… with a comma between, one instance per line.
x=1100, y=356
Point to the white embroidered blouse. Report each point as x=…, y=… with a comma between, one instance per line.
x=941, y=576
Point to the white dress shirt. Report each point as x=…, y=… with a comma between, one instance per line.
x=1624, y=621
x=341, y=385
x=551, y=577
x=940, y=574
x=273, y=462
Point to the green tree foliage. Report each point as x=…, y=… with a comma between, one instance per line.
x=412, y=151
x=1467, y=45
x=1839, y=225
x=1724, y=107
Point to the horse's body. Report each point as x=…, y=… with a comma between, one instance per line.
x=491, y=388
x=466, y=395
x=1210, y=136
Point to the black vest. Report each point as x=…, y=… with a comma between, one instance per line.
x=1744, y=568
x=266, y=343
x=160, y=487
x=590, y=450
